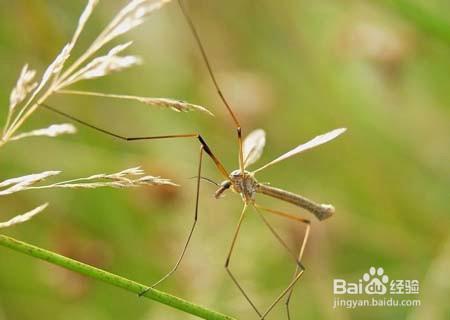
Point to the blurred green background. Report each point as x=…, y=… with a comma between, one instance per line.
x=294, y=68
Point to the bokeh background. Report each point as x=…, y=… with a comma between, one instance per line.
x=294, y=68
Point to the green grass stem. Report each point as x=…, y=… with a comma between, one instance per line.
x=112, y=279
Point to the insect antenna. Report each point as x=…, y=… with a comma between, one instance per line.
x=206, y=179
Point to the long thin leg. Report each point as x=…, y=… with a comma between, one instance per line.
x=206, y=148
x=299, y=267
x=216, y=84
x=228, y=260
x=175, y=267
x=203, y=148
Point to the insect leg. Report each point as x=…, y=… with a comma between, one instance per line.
x=206, y=148
x=214, y=80
x=299, y=266
x=227, y=262
x=203, y=148
x=175, y=267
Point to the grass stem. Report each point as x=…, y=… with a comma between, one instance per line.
x=112, y=279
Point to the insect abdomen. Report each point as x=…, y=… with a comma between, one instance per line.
x=321, y=211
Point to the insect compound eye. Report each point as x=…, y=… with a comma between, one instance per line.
x=235, y=173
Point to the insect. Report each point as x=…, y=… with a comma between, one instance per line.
x=245, y=184
x=240, y=181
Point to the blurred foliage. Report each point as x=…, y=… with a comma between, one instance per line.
x=294, y=68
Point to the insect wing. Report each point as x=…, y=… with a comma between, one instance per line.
x=253, y=146
x=324, y=138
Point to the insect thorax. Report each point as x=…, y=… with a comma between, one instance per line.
x=245, y=184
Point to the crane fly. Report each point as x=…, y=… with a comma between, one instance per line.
x=240, y=181
x=246, y=185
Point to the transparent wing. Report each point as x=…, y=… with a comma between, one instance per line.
x=253, y=146
x=324, y=138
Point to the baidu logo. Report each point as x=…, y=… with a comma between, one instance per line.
x=382, y=290
x=375, y=281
